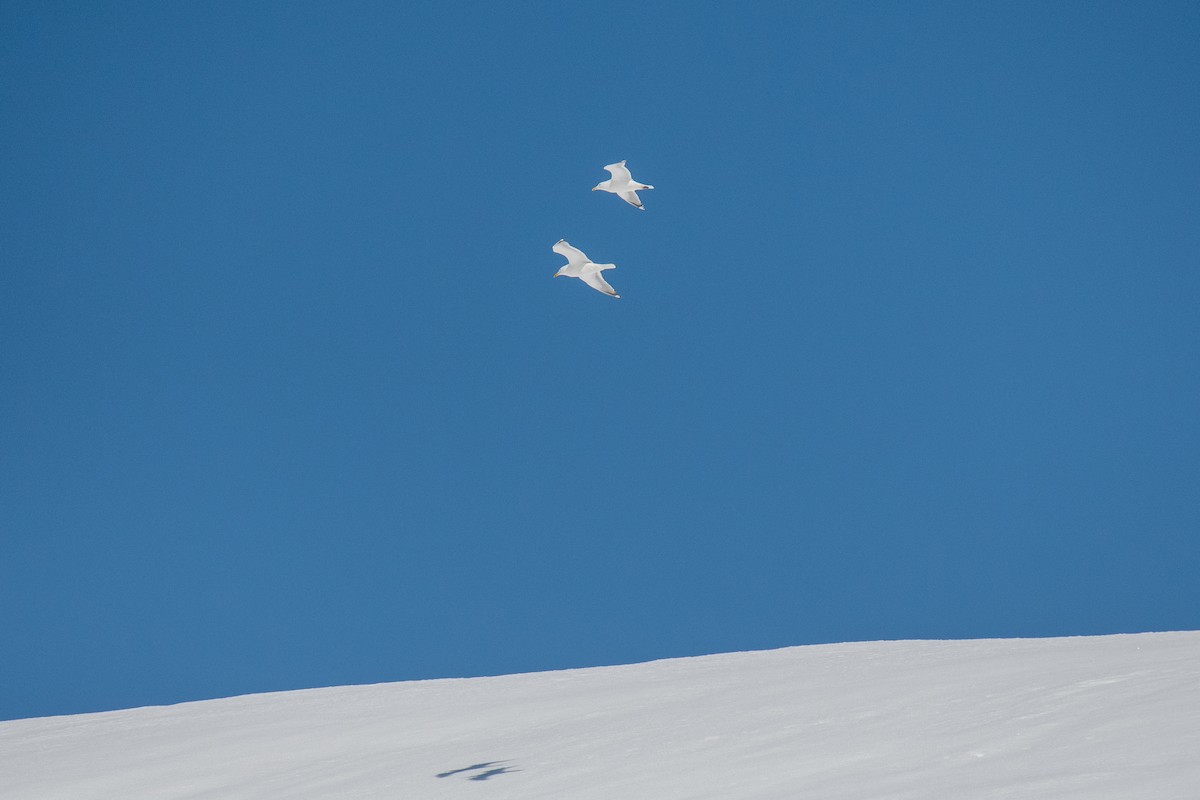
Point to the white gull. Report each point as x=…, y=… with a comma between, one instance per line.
x=622, y=185
x=580, y=266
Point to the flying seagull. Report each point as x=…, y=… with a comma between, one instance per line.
x=622, y=185
x=580, y=266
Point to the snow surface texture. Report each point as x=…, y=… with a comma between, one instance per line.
x=1091, y=717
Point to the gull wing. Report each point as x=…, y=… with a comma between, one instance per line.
x=594, y=280
x=632, y=199
x=575, y=257
x=619, y=173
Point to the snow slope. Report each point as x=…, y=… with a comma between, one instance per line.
x=1111, y=717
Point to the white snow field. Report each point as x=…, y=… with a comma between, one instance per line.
x=1106, y=717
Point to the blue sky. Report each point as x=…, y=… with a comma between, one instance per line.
x=908, y=341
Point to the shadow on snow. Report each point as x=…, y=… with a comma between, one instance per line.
x=486, y=770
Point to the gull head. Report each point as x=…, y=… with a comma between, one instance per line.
x=598, y=187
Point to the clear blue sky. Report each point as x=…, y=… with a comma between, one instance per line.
x=908, y=343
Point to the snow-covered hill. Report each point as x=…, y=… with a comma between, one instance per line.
x=1111, y=717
